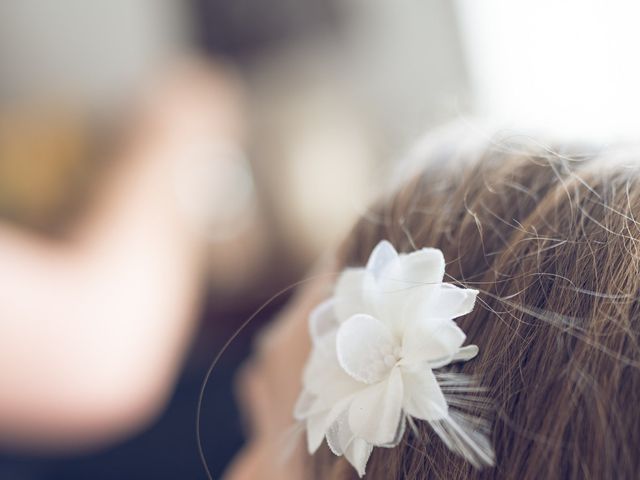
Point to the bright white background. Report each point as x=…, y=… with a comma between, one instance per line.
x=571, y=67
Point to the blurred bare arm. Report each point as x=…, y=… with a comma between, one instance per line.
x=93, y=331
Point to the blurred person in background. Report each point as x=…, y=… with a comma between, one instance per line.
x=95, y=324
x=118, y=195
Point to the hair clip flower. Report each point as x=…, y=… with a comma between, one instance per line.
x=376, y=344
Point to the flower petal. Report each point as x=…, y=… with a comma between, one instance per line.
x=382, y=255
x=424, y=266
x=304, y=405
x=362, y=344
x=358, y=453
x=432, y=340
x=450, y=302
x=423, y=397
x=348, y=296
x=407, y=283
x=319, y=424
x=322, y=320
x=402, y=425
x=315, y=432
x=375, y=411
x=339, y=435
x=318, y=368
x=466, y=353
x=324, y=377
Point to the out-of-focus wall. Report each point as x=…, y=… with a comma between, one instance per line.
x=334, y=110
x=407, y=64
x=84, y=51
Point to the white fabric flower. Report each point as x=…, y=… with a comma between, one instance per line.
x=375, y=345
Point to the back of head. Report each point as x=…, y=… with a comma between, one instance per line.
x=551, y=241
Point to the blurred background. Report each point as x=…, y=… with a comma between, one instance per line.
x=167, y=166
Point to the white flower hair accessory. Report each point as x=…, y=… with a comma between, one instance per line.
x=375, y=346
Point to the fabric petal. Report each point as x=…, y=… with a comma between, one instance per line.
x=319, y=424
x=424, y=266
x=423, y=397
x=466, y=353
x=450, y=302
x=375, y=411
x=363, y=345
x=318, y=368
x=358, y=453
x=402, y=425
x=304, y=405
x=382, y=255
x=348, y=296
x=324, y=377
x=407, y=283
x=339, y=435
x=431, y=340
x=322, y=320
x=315, y=432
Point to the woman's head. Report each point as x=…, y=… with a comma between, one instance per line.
x=551, y=242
